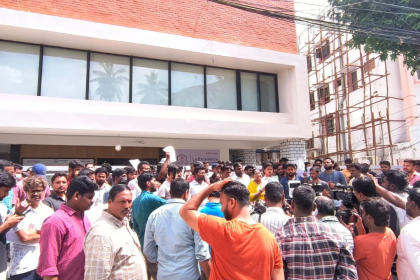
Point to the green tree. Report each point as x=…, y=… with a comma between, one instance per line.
x=110, y=82
x=388, y=27
x=154, y=91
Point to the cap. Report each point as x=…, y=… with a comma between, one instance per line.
x=365, y=161
x=40, y=170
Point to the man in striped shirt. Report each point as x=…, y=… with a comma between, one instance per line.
x=274, y=218
x=311, y=250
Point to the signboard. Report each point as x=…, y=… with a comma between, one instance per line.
x=186, y=157
x=53, y=161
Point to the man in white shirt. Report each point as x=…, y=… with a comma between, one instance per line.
x=239, y=174
x=143, y=166
x=408, y=248
x=199, y=183
x=274, y=218
x=164, y=190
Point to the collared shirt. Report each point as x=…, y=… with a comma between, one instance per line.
x=164, y=190
x=113, y=251
x=341, y=230
x=53, y=201
x=196, y=188
x=408, y=250
x=142, y=207
x=179, y=248
x=284, y=182
x=273, y=219
x=61, y=244
x=25, y=256
x=101, y=195
x=415, y=178
x=213, y=209
x=134, y=187
x=311, y=250
x=244, y=179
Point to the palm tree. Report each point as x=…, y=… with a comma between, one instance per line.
x=154, y=92
x=110, y=82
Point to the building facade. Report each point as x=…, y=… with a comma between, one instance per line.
x=145, y=75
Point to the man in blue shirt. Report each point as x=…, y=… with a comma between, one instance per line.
x=142, y=207
x=331, y=176
x=290, y=176
x=179, y=248
x=213, y=207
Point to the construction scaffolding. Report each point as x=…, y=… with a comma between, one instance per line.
x=353, y=119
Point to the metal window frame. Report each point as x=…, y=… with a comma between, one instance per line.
x=131, y=58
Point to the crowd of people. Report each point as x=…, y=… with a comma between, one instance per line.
x=219, y=221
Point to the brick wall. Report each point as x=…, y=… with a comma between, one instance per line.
x=293, y=150
x=193, y=18
x=248, y=156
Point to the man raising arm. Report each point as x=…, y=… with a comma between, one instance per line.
x=238, y=235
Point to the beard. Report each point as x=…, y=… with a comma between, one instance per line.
x=228, y=216
x=328, y=167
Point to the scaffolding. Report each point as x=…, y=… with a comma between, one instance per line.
x=332, y=64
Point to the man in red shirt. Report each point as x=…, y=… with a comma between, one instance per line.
x=242, y=248
x=374, y=252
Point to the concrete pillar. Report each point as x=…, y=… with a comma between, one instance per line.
x=294, y=150
x=248, y=156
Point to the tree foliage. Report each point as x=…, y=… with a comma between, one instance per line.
x=388, y=27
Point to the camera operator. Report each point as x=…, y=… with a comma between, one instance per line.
x=325, y=214
x=314, y=178
x=290, y=176
x=332, y=177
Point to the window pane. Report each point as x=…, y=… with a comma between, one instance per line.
x=64, y=73
x=187, y=85
x=221, y=89
x=109, y=78
x=249, y=91
x=19, y=64
x=150, y=82
x=268, y=94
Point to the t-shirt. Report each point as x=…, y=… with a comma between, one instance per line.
x=374, y=254
x=3, y=255
x=240, y=250
x=164, y=190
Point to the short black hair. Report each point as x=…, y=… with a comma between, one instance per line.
x=5, y=163
x=129, y=169
x=325, y=206
x=228, y=162
x=348, y=160
x=236, y=164
x=144, y=178
x=274, y=192
x=306, y=163
x=267, y=164
x=284, y=159
x=356, y=166
x=378, y=208
x=291, y=165
x=101, y=170
x=332, y=161
x=172, y=169
x=58, y=174
x=248, y=167
x=304, y=198
x=417, y=162
x=118, y=172
x=6, y=179
x=414, y=195
x=318, y=159
x=215, y=194
x=88, y=164
x=416, y=185
x=409, y=160
x=116, y=190
x=178, y=187
x=140, y=165
x=365, y=185
x=18, y=166
x=237, y=191
x=385, y=162
x=107, y=166
x=82, y=185
x=75, y=163
x=398, y=178
x=224, y=168
x=316, y=169
x=86, y=172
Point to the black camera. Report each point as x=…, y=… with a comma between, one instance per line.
x=318, y=188
x=345, y=215
x=259, y=207
x=340, y=192
x=293, y=184
x=379, y=178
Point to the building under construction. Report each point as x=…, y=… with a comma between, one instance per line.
x=361, y=107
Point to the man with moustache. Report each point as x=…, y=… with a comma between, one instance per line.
x=111, y=247
x=58, y=195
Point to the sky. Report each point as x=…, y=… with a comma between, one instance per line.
x=308, y=8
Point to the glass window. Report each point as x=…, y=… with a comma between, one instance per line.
x=64, y=73
x=150, y=82
x=221, y=89
x=268, y=93
x=249, y=91
x=19, y=65
x=187, y=85
x=109, y=78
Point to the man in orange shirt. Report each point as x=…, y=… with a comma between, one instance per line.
x=374, y=252
x=242, y=248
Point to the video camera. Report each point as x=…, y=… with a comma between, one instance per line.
x=345, y=215
x=344, y=193
x=293, y=184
